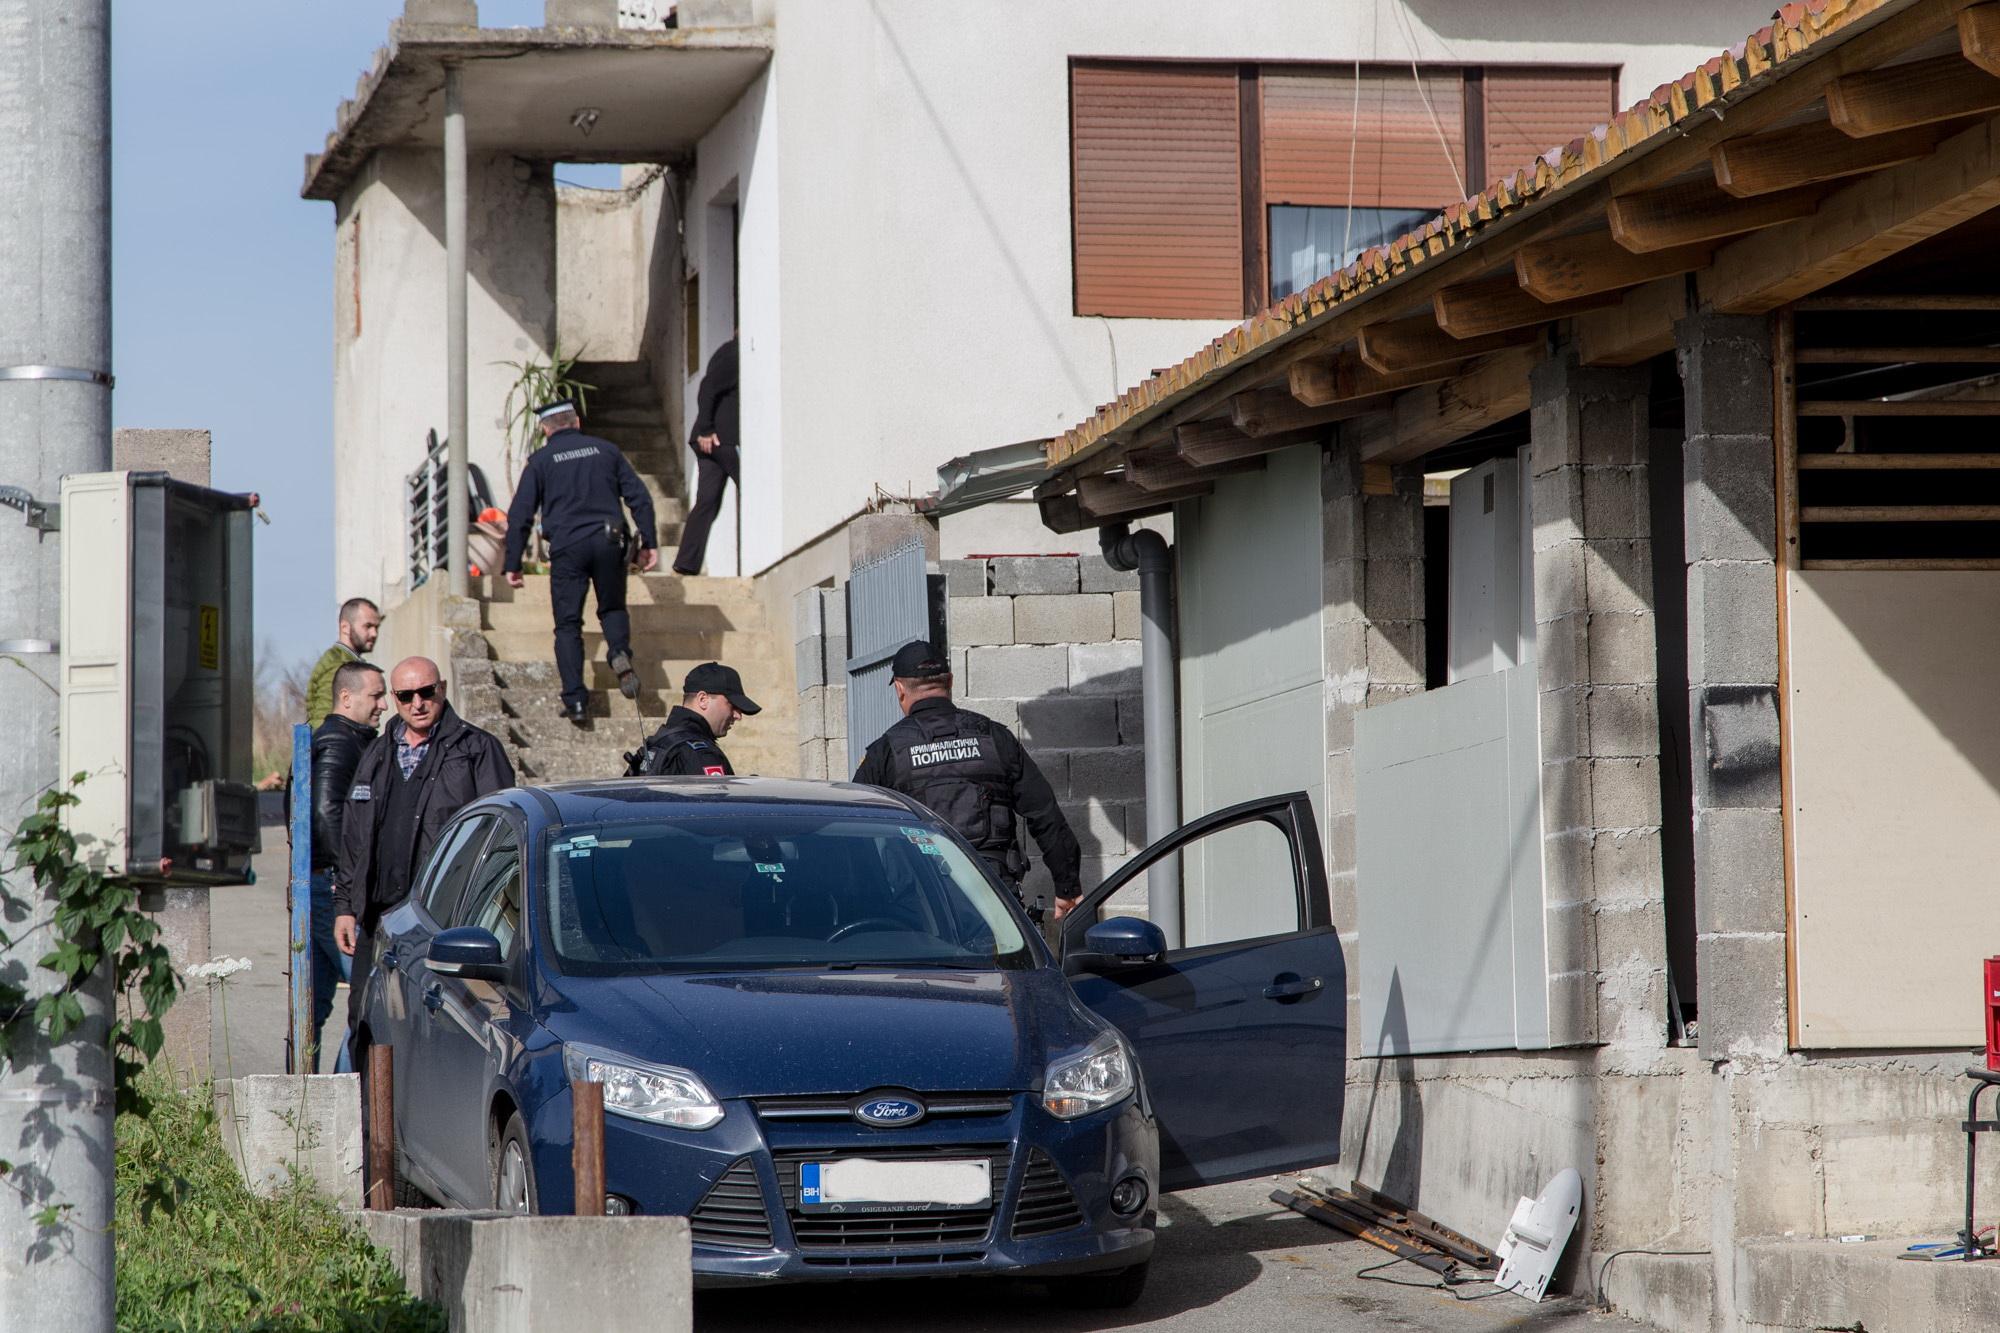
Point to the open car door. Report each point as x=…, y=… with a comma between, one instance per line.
x=1242, y=1042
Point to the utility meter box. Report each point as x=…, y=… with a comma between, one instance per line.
x=158, y=676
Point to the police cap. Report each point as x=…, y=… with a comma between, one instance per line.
x=560, y=407
x=918, y=660
x=715, y=678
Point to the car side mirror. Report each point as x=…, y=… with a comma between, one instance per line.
x=469, y=953
x=1126, y=939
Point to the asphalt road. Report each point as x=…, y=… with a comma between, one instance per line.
x=1228, y=1258
x=248, y=1012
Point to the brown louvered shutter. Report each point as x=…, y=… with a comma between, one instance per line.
x=1406, y=141
x=1529, y=111
x=1158, y=190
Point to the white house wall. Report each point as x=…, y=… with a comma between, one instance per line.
x=915, y=259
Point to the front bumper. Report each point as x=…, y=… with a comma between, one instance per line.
x=737, y=1183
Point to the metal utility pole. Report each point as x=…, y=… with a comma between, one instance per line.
x=457, y=509
x=55, y=418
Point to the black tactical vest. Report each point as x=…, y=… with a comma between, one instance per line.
x=948, y=759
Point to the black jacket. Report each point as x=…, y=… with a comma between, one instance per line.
x=684, y=746
x=715, y=401
x=336, y=752
x=576, y=481
x=464, y=764
x=979, y=787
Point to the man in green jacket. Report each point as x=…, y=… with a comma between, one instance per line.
x=360, y=622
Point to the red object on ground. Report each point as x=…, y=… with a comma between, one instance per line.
x=1993, y=1013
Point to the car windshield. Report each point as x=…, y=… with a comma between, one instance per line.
x=713, y=893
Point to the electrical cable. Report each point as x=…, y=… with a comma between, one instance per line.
x=1442, y=1284
x=1597, y=1289
x=1409, y=33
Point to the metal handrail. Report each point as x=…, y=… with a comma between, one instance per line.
x=426, y=514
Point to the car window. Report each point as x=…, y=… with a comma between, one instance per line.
x=451, y=864
x=494, y=902
x=762, y=891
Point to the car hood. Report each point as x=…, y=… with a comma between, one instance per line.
x=768, y=1034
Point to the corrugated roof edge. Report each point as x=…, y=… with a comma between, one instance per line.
x=1795, y=28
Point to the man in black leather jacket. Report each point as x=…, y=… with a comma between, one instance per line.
x=427, y=765
x=358, y=694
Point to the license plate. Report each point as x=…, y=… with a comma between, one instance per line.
x=861, y=1184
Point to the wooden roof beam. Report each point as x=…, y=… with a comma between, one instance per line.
x=1206, y=443
x=1109, y=497
x=1802, y=154
x=1901, y=97
x=1690, y=214
x=1639, y=328
x=1859, y=225
x=1497, y=305
x=1162, y=469
x=1979, y=37
x=1431, y=417
x=1401, y=345
x=1322, y=381
x=1570, y=268
x=1269, y=411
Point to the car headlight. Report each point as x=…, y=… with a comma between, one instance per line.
x=659, y=1093
x=1093, y=1078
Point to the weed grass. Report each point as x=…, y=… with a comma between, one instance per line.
x=198, y=1250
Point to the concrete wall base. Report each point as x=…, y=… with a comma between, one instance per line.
x=275, y=1124
x=495, y=1272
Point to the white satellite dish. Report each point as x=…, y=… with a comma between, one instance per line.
x=1536, y=1235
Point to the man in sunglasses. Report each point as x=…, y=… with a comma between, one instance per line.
x=427, y=765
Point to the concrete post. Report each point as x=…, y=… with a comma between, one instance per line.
x=1729, y=490
x=55, y=418
x=1372, y=576
x=1596, y=671
x=457, y=509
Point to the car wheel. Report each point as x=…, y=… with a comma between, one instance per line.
x=514, y=1170
x=1102, y=1291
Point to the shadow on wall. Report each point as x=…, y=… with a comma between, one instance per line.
x=1403, y=1169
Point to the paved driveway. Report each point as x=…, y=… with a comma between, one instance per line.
x=1228, y=1258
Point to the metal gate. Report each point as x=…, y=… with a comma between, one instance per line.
x=888, y=604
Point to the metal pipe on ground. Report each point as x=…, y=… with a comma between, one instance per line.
x=1147, y=552
x=457, y=507
x=55, y=418
x=380, y=1128
x=586, y=1152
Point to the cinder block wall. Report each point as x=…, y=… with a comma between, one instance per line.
x=1048, y=646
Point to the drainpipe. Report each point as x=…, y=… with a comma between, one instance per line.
x=457, y=510
x=1147, y=552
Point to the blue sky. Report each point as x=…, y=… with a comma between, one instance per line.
x=222, y=275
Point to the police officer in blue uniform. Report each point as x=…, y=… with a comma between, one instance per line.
x=686, y=745
x=973, y=773
x=577, y=481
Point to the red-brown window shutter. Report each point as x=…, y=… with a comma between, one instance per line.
x=1403, y=147
x=1531, y=110
x=1157, y=190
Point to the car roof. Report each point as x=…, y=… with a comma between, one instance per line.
x=605, y=800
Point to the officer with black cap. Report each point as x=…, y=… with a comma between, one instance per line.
x=712, y=701
x=577, y=481
x=972, y=772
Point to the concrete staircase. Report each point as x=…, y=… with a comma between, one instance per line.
x=504, y=676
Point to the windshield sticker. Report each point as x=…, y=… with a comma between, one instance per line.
x=770, y=868
x=576, y=853
x=584, y=840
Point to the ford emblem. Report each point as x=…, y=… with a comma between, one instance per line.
x=886, y=1110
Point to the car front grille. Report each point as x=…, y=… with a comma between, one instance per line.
x=936, y=1106
x=1046, y=1205
x=732, y=1213
x=821, y=1232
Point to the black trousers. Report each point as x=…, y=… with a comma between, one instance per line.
x=713, y=471
x=595, y=562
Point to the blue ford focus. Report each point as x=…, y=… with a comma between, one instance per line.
x=832, y=1041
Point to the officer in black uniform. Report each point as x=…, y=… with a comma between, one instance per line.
x=712, y=701
x=577, y=480
x=974, y=774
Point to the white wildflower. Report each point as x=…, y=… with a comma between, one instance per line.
x=219, y=969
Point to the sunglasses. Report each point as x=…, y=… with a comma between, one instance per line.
x=425, y=692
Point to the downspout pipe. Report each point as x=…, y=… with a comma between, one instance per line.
x=458, y=510
x=1148, y=553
